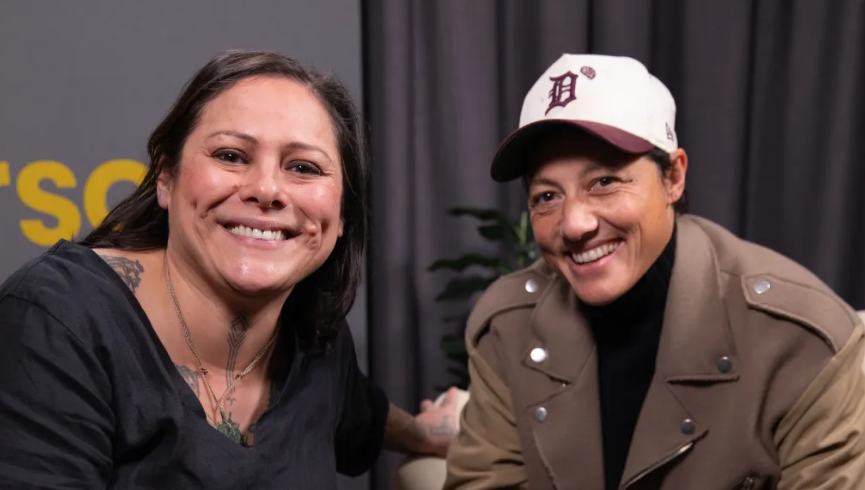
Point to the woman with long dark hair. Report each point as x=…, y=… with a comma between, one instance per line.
x=197, y=338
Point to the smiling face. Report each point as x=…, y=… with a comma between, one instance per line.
x=600, y=217
x=254, y=206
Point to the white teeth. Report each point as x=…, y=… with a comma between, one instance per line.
x=595, y=253
x=271, y=235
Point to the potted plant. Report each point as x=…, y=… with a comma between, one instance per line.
x=475, y=272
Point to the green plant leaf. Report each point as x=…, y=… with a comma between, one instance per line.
x=462, y=288
x=454, y=347
x=520, y=229
x=463, y=318
x=533, y=252
x=482, y=214
x=461, y=263
x=493, y=233
x=458, y=372
x=518, y=239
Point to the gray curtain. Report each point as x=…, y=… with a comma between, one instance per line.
x=770, y=110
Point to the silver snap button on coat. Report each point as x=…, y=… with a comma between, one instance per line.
x=688, y=427
x=761, y=286
x=540, y=414
x=531, y=285
x=725, y=365
x=538, y=355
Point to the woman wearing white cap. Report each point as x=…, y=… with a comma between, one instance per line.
x=648, y=348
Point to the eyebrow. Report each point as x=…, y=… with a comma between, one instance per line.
x=594, y=167
x=293, y=146
x=591, y=168
x=543, y=181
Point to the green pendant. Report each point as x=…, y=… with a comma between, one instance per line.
x=230, y=429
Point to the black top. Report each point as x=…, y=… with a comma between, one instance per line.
x=627, y=333
x=90, y=399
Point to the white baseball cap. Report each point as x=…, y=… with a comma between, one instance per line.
x=612, y=97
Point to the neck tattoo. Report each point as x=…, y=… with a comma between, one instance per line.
x=226, y=426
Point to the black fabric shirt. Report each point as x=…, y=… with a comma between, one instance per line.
x=89, y=398
x=627, y=333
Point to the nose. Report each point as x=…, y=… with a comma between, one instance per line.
x=579, y=220
x=264, y=187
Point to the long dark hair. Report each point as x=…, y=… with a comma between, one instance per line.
x=319, y=303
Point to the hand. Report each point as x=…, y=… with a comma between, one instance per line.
x=441, y=422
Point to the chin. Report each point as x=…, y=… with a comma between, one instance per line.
x=258, y=288
x=595, y=298
x=596, y=291
x=595, y=287
x=250, y=280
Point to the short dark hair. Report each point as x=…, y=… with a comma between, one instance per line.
x=662, y=159
x=318, y=304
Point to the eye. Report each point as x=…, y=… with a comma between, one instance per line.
x=303, y=167
x=543, y=197
x=229, y=156
x=605, y=181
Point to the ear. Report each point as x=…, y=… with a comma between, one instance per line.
x=164, y=184
x=674, y=180
x=341, y=227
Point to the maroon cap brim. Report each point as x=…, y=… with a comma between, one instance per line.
x=511, y=159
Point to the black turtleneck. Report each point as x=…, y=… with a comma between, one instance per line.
x=627, y=333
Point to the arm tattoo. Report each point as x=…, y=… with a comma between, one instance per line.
x=236, y=333
x=190, y=376
x=403, y=433
x=129, y=270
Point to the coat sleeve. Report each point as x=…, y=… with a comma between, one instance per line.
x=821, y=441
x=486, y=453
x=56, y=421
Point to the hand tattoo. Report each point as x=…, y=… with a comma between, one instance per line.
x=444, y=429
x=128, y=270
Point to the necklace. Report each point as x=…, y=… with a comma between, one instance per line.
x=227, y=427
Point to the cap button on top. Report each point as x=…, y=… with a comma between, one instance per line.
x=540, y=414
x=725, y=365
x=538, y=355
x=531, y=285
x=761, y=286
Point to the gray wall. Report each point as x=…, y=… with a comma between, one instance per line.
x=84, y=83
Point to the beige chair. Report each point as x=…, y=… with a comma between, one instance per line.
x=424, y=472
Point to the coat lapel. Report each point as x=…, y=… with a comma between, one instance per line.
x=696, y=352
x=563, y=392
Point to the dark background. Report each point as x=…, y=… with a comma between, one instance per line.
x=770, y=111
